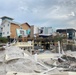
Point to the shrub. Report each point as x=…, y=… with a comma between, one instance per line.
x=3, y=40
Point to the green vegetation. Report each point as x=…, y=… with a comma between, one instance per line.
x=59, y=38
x=3, y=40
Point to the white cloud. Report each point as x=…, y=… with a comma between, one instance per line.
x=72, y=13
x=56, y=13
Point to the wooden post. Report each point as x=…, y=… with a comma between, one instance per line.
x=22, y=39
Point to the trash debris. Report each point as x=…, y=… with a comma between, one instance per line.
x=15, y=60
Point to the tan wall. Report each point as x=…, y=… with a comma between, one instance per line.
x=13, y=30
x=25, y=26
x=32, y=32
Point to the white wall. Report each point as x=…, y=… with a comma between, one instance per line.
x=50, y=30
x=36, y=30
x=47, y=30
x=6, y=29
x=0, y=28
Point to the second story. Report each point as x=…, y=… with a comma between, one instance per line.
x=46, y=30
x=25, y=26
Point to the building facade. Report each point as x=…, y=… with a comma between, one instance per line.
x=9, y=28
x=45, y=31
x=34, y=31
x=70, y=33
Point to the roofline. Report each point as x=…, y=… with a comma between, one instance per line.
x=26, y=23
x=65, y=28
x=6, y=17
x=15, y=24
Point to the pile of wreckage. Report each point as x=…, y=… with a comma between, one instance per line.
x=15, y=61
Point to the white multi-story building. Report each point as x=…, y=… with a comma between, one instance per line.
x=5, y=27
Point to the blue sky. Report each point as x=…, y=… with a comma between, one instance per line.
x=54, y=13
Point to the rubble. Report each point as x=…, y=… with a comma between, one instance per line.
x=15, y=60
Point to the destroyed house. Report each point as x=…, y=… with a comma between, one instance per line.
x=70, y=33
